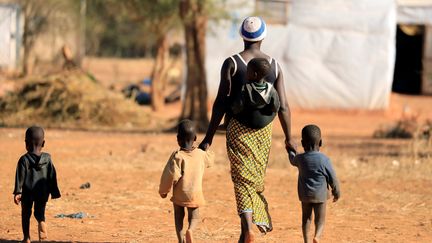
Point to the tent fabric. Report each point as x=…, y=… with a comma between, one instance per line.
x=5, y=33
x=414, y=14
x=8, y=35
x=414, y=2
x=333, y=54
x=340, y=54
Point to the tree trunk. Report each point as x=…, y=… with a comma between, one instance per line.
x=27, y=41
x=195, y=25
x=158, y=74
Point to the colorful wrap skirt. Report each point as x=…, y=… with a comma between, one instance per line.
x=248, y=151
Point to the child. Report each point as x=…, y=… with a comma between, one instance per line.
x=257, y=93
x=316, y=174
x=184, y=172
x=35, y=179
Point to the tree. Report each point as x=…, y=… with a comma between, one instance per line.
x=194, y=18
x=130, y=22
x=160, y=17
x=35, y=22
x=40, y=17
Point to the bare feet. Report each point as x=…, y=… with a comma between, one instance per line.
x=250, y=237
x=189, y=236
x=316, y=240
x=26, y=241
x=43, y=235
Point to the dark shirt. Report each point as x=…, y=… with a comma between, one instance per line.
x=261, y=97
x=250, y=117
x=36, y=177
x=316, y=174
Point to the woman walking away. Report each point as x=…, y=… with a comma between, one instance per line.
x=249, y=133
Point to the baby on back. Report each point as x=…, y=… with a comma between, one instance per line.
x=258, y=102
x=257, y=93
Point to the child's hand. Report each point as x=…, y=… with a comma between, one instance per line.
x=163, y=195
x=17, y=199
x=335, y=198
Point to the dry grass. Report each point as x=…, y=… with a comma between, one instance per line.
x=69, y=99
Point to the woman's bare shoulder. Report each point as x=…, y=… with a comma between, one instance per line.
x=248, y=55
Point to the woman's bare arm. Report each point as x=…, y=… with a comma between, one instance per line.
x=284, y=111
x=220, y=103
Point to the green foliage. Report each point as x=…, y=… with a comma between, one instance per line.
x=129, y=27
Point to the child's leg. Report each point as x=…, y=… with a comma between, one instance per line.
x=26, y=211
x=320, y=213
x=306, y=220
x=39, y=213
x=179, y=214
x=193, y=219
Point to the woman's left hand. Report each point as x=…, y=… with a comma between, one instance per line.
x=290, y=146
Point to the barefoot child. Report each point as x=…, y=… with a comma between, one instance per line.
x=35, y=180
x=316, y=174
x=184, y=172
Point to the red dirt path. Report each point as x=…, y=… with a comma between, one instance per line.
x=382, y=200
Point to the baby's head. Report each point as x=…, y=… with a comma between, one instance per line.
x=311, y=138
x=34, y=139
x=257, y=69
x=186, y=133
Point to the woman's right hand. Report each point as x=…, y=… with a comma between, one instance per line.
x=204, y=145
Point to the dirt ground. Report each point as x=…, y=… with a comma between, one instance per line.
x=386, y=188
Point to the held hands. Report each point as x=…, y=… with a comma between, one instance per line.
x=290, y=147
x=204, y=145
x=163, y=195
x=17, y=199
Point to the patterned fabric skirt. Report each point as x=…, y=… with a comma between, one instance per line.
x=248, y=151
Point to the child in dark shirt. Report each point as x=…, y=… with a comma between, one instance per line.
x=316, y=174
x=35, y=180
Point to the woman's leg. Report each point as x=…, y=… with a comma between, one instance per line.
x=193, y=219
x=247, y=227
x=306, y=220
x=320, y=213
x=179, y=214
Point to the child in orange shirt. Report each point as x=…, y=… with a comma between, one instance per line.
x=184, y=172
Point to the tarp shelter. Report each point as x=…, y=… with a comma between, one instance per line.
x=333, y=53
x=419, y=14
x=9, y=36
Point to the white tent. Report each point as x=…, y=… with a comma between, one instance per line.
x=414, y=11
x=9, y=35
x=333, y=53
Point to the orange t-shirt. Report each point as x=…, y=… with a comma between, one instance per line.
x=184, y=172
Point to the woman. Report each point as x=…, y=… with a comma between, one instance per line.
x=248, y=148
